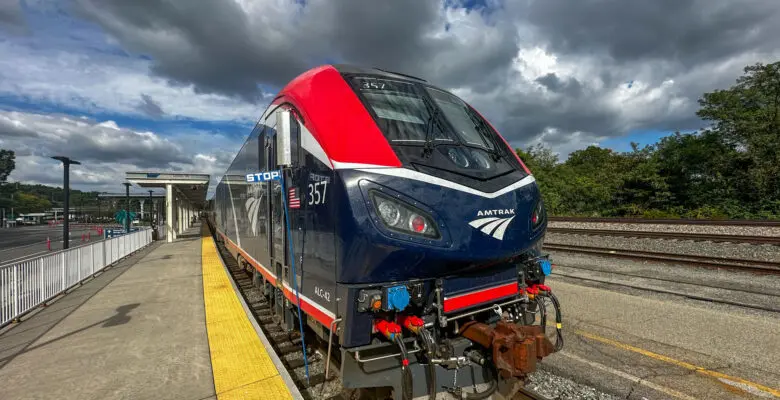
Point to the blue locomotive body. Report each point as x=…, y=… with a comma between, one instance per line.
x=407, y=213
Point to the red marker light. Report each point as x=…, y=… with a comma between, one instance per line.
x=418, y=224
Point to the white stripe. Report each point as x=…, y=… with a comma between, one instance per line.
x=479, y=222
x=348, y=165
x=419, y=176
x=310, y=301
x=629, y=377
x=499, y=233
x=310, y=144
x=488, y=229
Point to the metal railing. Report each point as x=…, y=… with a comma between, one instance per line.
x=27, y=284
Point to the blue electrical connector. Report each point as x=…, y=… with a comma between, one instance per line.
x=397, y=298
x=546, y=266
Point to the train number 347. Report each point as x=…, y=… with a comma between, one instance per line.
x=317, y=192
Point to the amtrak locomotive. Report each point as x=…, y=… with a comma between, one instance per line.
x=412, y=234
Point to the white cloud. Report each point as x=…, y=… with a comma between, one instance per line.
x=106, y=150
x=102, y=83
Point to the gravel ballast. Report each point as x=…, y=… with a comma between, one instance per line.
x=555, y=387
x=709, y=249
x=704, y=229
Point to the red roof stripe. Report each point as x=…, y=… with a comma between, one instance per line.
x=338, y=120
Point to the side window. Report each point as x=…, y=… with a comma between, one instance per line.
x=295, y=140
x=261, y=150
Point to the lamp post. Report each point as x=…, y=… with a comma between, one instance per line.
x=151, y=209
x=66, y=162
x=127, y=204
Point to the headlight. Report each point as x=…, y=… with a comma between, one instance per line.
x=402, y=217
x=537, y=217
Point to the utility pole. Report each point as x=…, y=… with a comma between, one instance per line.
x=66, y=162
x=127, y=211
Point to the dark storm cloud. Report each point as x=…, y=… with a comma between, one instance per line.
x=570, y=87
x=219, y=48
x=698, y=45
x=206, y=43
x=11, y=16
x=685, y=31
x=150, y=107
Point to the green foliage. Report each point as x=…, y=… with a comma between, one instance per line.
x=7, y=164
x=30, y=203
x=731, y=170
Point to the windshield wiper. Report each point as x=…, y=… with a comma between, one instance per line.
x=428, y=146
x=484, y=131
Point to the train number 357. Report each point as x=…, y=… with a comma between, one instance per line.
x=317, y=192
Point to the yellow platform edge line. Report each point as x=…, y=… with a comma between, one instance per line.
x=241, y=365
x=682, y=364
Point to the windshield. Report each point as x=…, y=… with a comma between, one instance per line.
x=400, y=109
x=431, y=128
x=461, y=117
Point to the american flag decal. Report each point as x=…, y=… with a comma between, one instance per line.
x=292, y=199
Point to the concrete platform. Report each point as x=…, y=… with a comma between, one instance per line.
x=656, y=347
x=137, y=331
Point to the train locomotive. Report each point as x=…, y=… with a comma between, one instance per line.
x=404, y=231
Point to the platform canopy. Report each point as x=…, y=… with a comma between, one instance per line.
x=132, y=195
x=185, y=195
x=193, y=187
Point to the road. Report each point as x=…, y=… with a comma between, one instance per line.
x=638, y=344
x=30, y=241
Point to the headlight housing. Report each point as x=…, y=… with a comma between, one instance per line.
x=399, y=216
x=538, y=215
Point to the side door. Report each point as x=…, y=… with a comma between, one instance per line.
x=277, y=238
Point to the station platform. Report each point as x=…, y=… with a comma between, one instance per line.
x=165, y=323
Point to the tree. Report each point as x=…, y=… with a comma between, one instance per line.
x=7, y=164
x=747, y=118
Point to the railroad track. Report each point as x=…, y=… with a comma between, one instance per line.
x=714, y=222
x=701, y=261
x=731, y=295
x=698, y=237
x=525, y=394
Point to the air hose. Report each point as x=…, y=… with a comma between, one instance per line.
x=406, y=374
x=295, y=280
x=546, y=291
x=558, y=321
x=430, y=347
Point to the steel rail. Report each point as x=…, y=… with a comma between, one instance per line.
x=699, y=237
x=695, y=260
x=715, y=222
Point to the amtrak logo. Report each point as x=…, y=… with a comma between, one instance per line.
x=494, y=222
x=252, y=206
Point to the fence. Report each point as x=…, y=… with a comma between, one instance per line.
x=28, y=284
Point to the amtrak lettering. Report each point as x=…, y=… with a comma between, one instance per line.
x=490, y=213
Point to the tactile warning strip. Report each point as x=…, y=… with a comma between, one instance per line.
x=241, y=365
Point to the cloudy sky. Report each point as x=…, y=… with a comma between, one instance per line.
x=177, y=85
